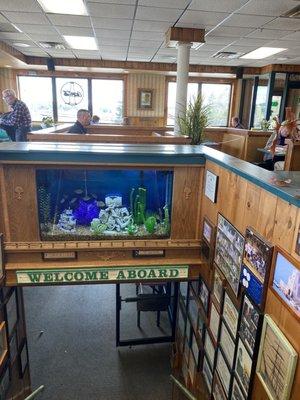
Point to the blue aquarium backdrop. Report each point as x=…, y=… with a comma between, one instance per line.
x=79, y=204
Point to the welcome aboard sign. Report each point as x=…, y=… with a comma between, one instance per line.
x=86, y=274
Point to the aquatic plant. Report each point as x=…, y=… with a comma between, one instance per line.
x=132, y=229
x=97, y=227
x=166, y=220
x=44, y=204
x=150, y=224
x=86, y=212
x=138, y=205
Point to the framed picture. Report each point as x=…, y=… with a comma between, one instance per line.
x=1, y=258
x=218, y=288
x=218, y=391
x=249, y=325
x=277, y=361
x=204, y=295
x=209, y=350
x=201, y=327
x=183, y=291
x=230, y=315
x=193, y=309
x=227, y=345
x=194, y=347
x=11, y=312
x=223, y=371
x=4, y=383
x=207, y=374
x=3, y=343
x=285, y=281
x=229, y=252
x=214, y=322
x=253, y=287
x=211, y=186
x=145, y=99
x=206, y=252
x=208, y=231
x=181, y=321
x=195, y=285
x=243, y=366
x=257, y=258
x=236, y=392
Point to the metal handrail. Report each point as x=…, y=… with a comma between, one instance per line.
x=35, y=393
x=188, y=394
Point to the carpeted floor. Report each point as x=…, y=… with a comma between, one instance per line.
x=76, y=358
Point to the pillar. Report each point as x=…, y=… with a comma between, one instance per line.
x=183, y=59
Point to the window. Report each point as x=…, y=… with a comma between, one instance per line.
x=260, y=105
x=107, y=100
x=72, y=95
x=218, y=97
x=36, y=92
x=191, y=93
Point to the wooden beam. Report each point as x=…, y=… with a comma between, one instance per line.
x=174, y=35
x=12, y=51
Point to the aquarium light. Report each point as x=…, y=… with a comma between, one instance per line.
x=74, y=7
x=81, y=42
x=262, y=52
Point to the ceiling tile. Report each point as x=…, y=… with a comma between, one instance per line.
x=114, y=57
x=13, y=36
x=29, y=42
x=167, y=52
x=210, y=47
x=141, y=58
x=88, y=54
x=108, y=49
x=61, y=53
x=46, y=37
x=267, y=34
x=247, y=21
x=112, y=33
x=157, y=14
x=227, y=6
x=28, y=28
x=268, y=7
x=151, y=26
x=35, y=52
x=26, y=17
x=69, y=20
x=75, y=31
x=219, y=40
x=292, y=36
x=126, y=2
x=202, y=18
x=180, y=4
x=139, y=50
x=110, y=10
x=2, y=19
x=240, y=49
x=138, y=35
x=289, y=44
x=230, y=31
x=251, y=42
x=146, y=43
x=112, y=23
x=113, y=42
x=289, y=24
x=20, y=5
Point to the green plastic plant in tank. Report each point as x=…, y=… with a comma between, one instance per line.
x=150, y=224
x=138, y=205
x=44, y=204
x=97, y=227
x=166, y=220
x=194, y=120
x=132, y=229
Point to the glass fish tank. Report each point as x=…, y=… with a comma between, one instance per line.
x=97, y=204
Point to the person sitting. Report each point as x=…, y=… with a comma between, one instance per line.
x=83, y=120
x=235, y=123
x=95, y=120
x=16, y=122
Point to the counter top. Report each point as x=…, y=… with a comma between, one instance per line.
x=148, y=155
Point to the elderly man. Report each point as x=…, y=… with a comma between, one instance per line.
x=83, y=120
x=17, y=122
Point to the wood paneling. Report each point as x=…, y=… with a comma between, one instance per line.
x=21, y=196
x=186, y=202
x=7, y=81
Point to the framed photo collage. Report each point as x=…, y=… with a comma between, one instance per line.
x=225, y=313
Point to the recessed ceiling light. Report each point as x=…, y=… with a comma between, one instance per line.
x=81, y=42
x=262, y=52
x=7, y=66
x=282, y=58
x=76, y=7
x=21, y=44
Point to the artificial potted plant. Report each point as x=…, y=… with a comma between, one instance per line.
x=193, y=122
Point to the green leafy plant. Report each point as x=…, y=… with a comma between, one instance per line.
x=195, y=119
x=48, y=121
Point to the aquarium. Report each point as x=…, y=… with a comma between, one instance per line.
x=97, y=204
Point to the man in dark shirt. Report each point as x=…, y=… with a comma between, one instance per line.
x=83, y=120
x=17, y=122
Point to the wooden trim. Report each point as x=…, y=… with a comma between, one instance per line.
x=12, y=51
x=70, y=74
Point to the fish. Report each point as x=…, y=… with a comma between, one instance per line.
x=100, y=203
x=94, y=195
x=73, y=200
x=62, y=201
x=86, y=198
x=78, y=191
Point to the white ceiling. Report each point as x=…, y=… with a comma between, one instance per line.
x=133, y=30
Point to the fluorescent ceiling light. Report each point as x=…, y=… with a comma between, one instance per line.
x=81, y=42
x=21, y=44
x=262, y=52
x=76, y=7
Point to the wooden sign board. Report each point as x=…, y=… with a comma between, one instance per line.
x=84, y=275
